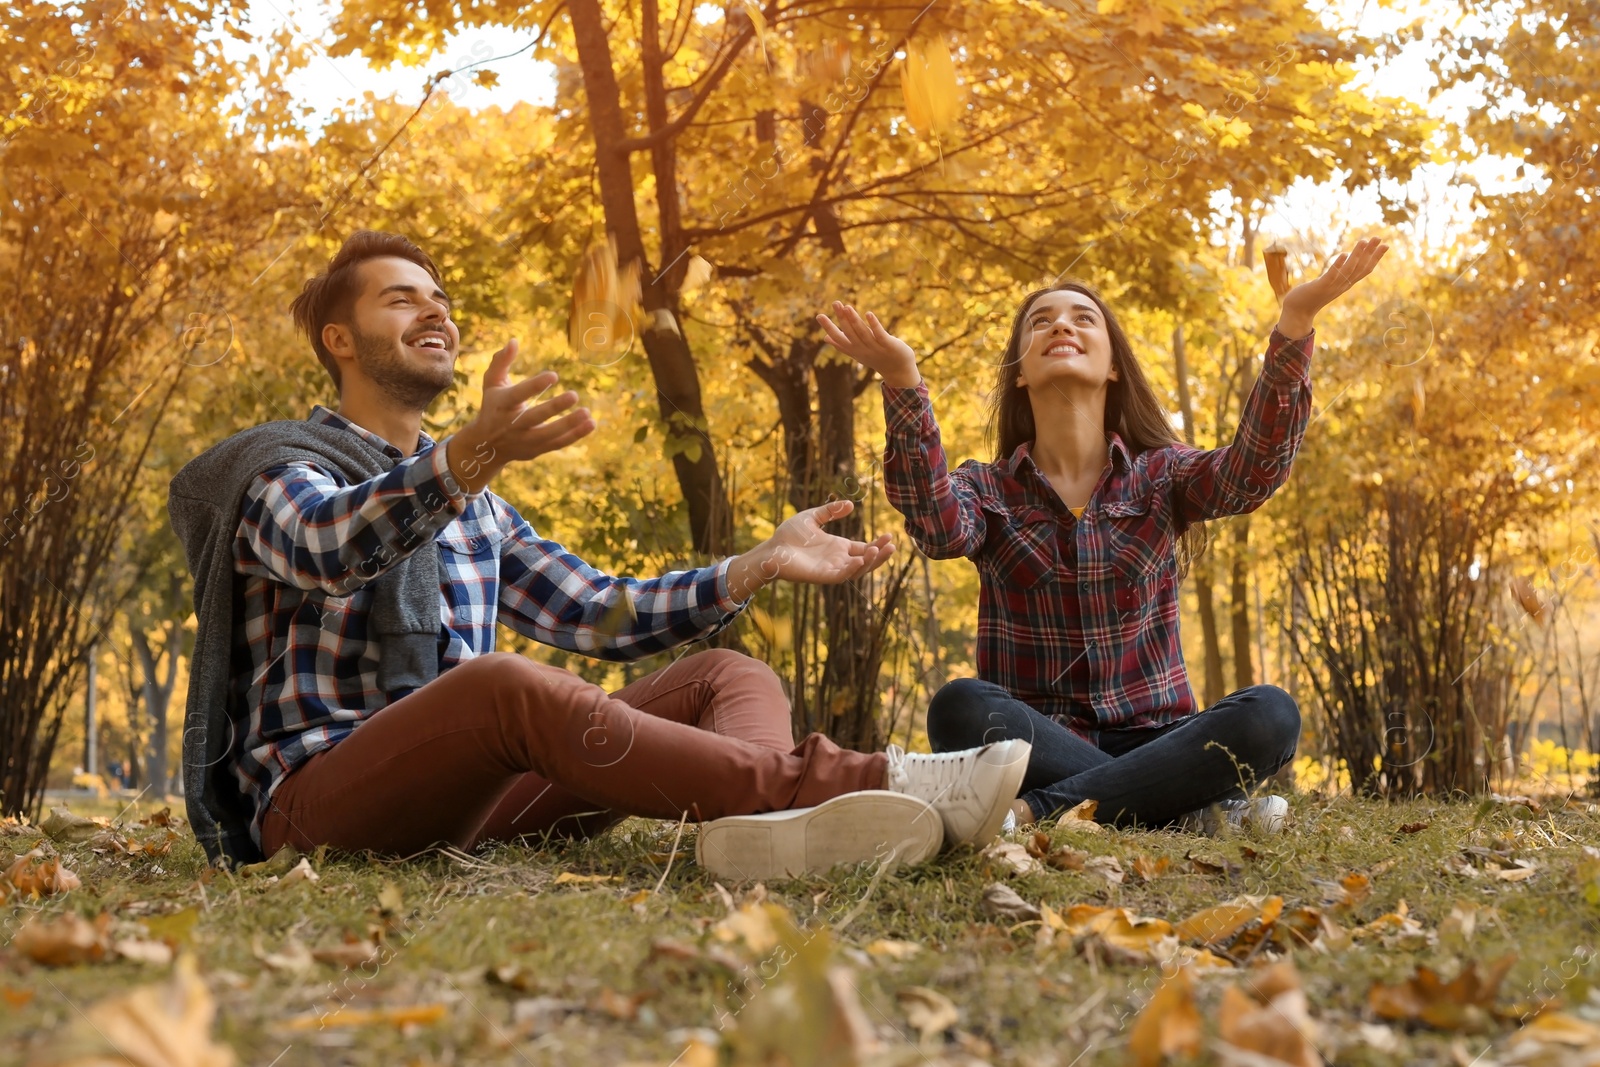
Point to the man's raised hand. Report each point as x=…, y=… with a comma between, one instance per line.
x=508, y=429
x=800, y=550
x=869, y=344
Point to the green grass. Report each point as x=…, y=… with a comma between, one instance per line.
x=461, y=919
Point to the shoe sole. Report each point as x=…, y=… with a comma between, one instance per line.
x=854, y=828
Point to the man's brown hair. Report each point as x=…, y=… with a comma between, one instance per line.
x=331, y=295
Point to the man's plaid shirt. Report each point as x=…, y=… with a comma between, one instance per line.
x=1079, y=618
x=305, y=667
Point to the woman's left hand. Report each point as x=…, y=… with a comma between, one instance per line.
x=1301, y=304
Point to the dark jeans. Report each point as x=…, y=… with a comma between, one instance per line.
x=1147, y=777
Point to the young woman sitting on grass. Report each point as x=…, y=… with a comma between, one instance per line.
x=1081, y=529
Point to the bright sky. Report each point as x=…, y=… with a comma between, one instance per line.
x=1443, y=206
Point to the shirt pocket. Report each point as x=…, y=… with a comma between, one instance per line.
x=1022, y=549
x=1141, y=550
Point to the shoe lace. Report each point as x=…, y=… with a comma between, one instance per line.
x=942, y=775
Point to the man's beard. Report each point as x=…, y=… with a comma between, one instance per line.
x=411, y=386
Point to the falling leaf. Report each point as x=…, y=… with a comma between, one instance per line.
x=65, y=941
x=662, y=321
x=1012, y=857
x=928, y=1011
x=1460, y=1004
x=166, y=1025
x=1268, y=1017
x=695, y=274
x=1275, y=257
x=759, y=21
x=64, y=825
x=1002, y=902
x=604, y=299
x=35, y=875
x=1418, y=400
x=1523, y=590
x=486, y=78
x=1168, y=1026
x=1349, y=893
x=928, y=82
x=883, y=948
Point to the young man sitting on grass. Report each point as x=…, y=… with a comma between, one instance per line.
x=349, y=573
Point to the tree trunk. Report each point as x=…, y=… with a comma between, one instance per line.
x=677, y=379
x=1239, y=591
x=1214, y=688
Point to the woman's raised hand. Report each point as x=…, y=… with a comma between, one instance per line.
x=1301, y=304
x=869, y=344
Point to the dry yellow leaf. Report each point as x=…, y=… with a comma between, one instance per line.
x=1460, y=1004
x=759, y=21
x=695, y=274
x=884, y=948
x=569, y=878
x=166, y=1025
x=65, y=941
x=410, y=1015
x=1214, y=925
x=927, y=1010
x=1276, y=259
x=1168, y=1026
x=604, y=299
x=1270, y=1017
x=36, y=875
x=928, y=82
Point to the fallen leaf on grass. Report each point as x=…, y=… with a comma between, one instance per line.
x=166, y=1025
x=1413, y=827
x=1012, y=857
x=65, y=825
x=1478, y=862
x=158, y=818
x=1116, y=934
x=17, y=826
x=1268, y=1018
x=1461, y=925
x=1002, y=902
x=757, y=925
x=1349, y=893
x=292, y=958
x=281, y=863
x=1148, y=870
x=1526, y=802
x=1212, y=865
x=1396, y=930
x=569, y=878
x=1081, y=817
x=36, y=875
x=65, y=941
x=348, y=953
x=1105, y=867
x=410, y=1015
x=1548, y=1041
x=139, y=951
x=1061, y=857
x=1464, y=1003
x=927, y=1010
x=300, y=872
x=1218, y=924
x=1168, y=1026
x=624, y=1007
x=884, y=948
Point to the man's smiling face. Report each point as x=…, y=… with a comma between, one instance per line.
x=404, y=339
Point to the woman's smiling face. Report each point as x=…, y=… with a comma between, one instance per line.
x=1064, y=339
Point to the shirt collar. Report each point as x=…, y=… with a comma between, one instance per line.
x=1119, y=451
x=320, y=414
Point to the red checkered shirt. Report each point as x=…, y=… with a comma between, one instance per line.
x=1079, y=617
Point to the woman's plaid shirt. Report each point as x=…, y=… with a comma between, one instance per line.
x=1055, y=590
x=306, y=664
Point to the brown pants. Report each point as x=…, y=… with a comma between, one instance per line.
x=501, y=747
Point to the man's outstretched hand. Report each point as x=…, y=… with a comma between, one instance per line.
x=507, y=429
x=802, y=551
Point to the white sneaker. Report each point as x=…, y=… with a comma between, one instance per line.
x=1267, y=814
x=873, y=824
x=972, y=790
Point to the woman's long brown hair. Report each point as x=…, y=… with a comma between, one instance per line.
x=1132, y=409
